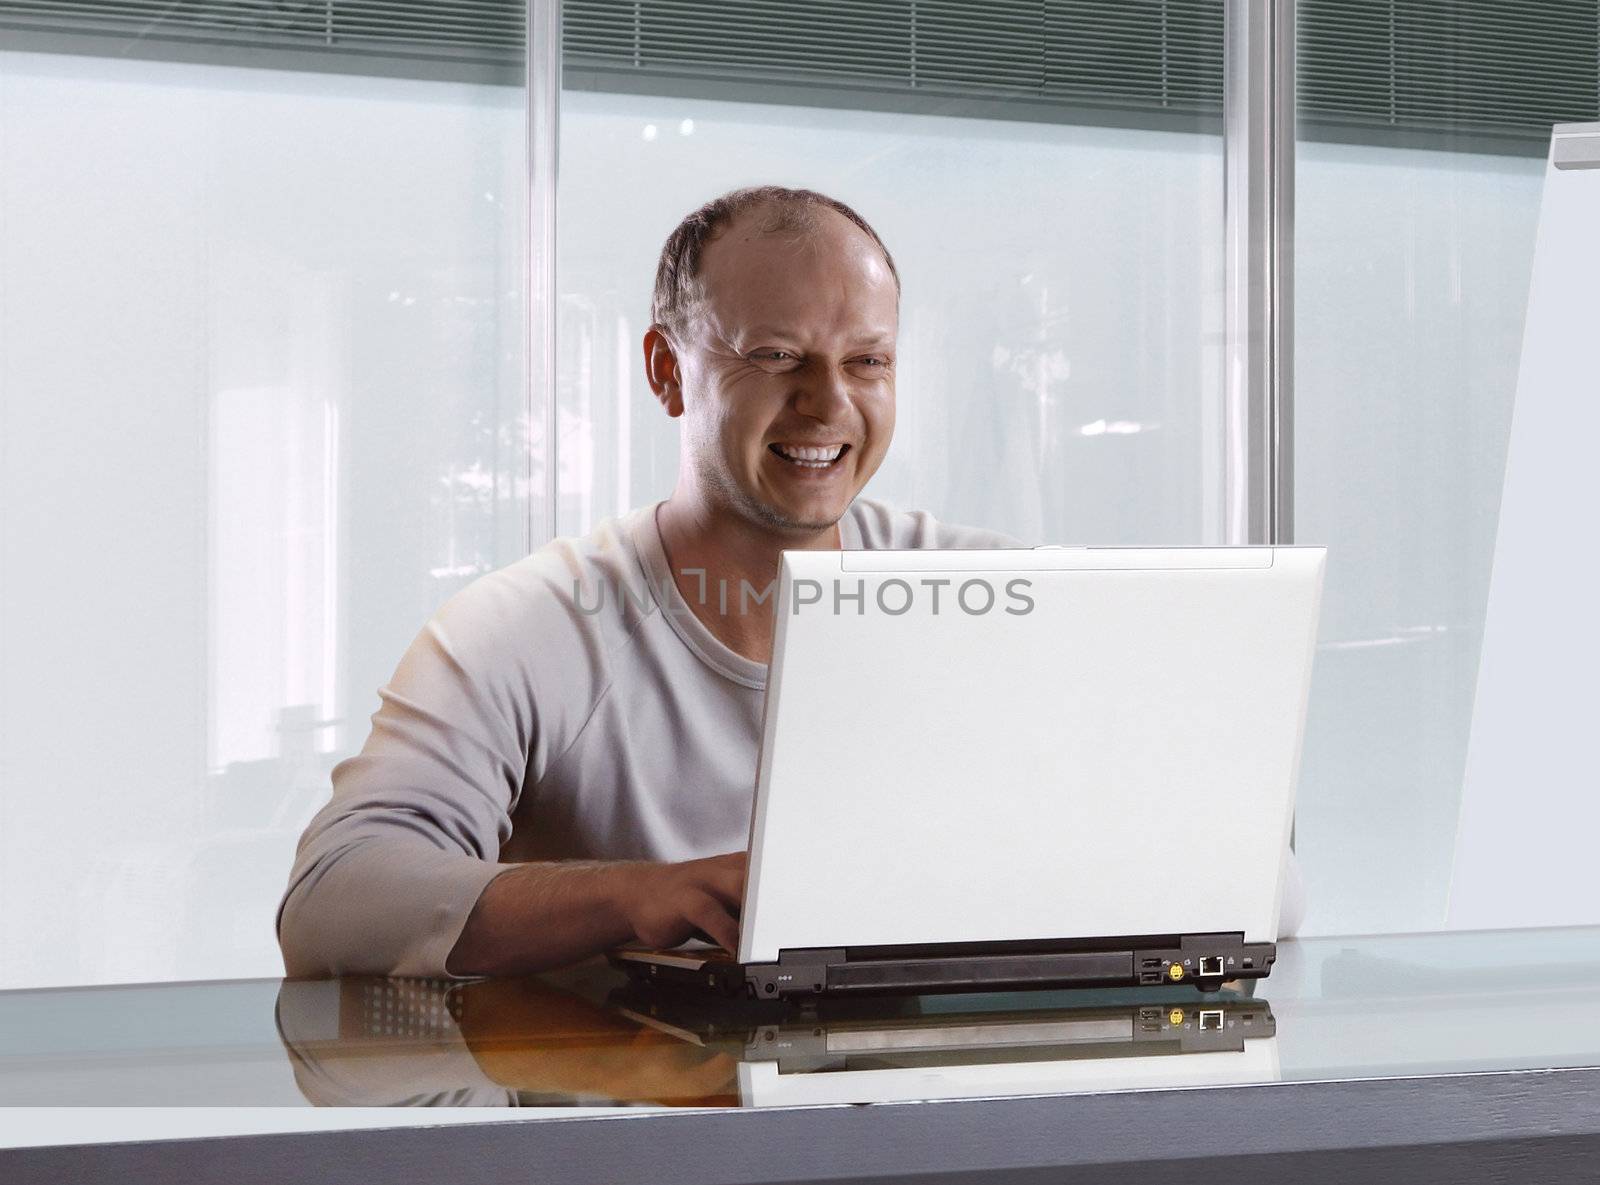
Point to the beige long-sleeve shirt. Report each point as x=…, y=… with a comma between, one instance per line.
x=568, y=706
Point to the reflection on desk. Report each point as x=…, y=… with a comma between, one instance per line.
x=540, y=1042
x=1359, y=1008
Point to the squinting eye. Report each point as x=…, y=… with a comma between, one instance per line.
x=775, y=355
x=872, y=361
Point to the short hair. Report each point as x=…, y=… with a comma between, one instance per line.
x=678, y=289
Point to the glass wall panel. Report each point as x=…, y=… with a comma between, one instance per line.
x=1055, y=212
x=262, y=408
x=1424, y=129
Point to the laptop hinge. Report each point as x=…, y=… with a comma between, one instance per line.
x=795, y=972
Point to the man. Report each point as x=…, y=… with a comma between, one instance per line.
x=565, y=757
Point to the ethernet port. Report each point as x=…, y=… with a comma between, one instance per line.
x=1210, y=1018
x=1210, y=965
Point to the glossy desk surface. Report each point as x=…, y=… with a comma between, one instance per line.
x=1342, y=1008
x=1429, y=1007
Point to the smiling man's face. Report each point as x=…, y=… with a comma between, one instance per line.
x=786, y=380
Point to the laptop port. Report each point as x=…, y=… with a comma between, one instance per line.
x=1211, y=965
x=1210, y=1018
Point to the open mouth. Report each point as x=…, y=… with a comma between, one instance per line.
x=824, y=456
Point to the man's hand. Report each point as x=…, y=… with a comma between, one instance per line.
x=537, y=916
x=665, y=904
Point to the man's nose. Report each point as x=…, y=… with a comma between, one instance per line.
x=824, y=391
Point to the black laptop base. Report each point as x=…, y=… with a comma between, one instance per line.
x=1204, y=960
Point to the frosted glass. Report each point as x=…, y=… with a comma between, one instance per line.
x=1061, y=322
x=261, y=409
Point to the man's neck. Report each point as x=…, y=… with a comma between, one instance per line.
x=713, y=553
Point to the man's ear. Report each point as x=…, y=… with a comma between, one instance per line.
x=661, y=370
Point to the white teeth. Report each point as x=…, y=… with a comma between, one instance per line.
x=810, y=456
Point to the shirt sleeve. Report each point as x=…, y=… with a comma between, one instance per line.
x=386, y=874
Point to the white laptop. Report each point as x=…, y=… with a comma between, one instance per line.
x=985, y=769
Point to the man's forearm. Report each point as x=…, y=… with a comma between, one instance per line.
x=539, y=916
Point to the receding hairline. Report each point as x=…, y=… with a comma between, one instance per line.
x=799, y=223
x=680, y=289
x=779, y=216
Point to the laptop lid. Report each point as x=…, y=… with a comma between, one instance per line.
x=983, y=746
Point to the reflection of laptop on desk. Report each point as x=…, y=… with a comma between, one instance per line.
x=1065, y=766
x=869, y=1050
